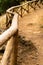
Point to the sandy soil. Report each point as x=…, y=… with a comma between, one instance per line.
x=31, y=39
x=30, y=46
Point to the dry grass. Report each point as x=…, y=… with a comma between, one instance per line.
x=2, y=21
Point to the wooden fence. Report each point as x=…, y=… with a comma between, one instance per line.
x=11, y=33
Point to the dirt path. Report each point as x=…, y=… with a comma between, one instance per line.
x=30, y=48
x=31, y=36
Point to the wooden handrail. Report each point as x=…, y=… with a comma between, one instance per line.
x=11, y=31
x=10, y=9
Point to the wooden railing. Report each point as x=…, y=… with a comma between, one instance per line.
x=19, y=9
x=11, y=33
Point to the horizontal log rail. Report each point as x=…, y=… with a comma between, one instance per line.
x=11, y=35
x=28, y=3
x=10, y=32
x=20, y=8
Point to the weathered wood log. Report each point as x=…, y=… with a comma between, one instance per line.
x=7, y=52
x=10, y=52
x=11, y=45
x=15, y=7
x=13, y=58
x=11, y=31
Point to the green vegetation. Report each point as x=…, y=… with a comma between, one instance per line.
x=5, y=4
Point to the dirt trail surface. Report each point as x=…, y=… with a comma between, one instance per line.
x=30, y=46
x=31, y=39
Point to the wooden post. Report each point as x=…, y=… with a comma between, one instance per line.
x=7, y=52
x=13, y=58
x=21, y=11
x=12, y=44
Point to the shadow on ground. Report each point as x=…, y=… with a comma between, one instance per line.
x=27, y=52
